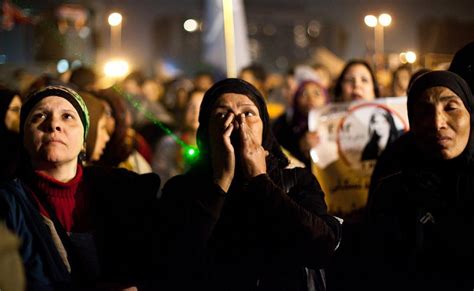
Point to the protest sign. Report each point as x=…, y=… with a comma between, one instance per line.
x=352, y=136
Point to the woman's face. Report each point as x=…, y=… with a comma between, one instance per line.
x=400, y=83
x=380, y=125
x=191, y=117
x=102, y=138
x=53, y=132
x=313, y=97
x=239, y=105
x=110, y=120
x=12, y=117
x=357, y=84
x=441, y=123
x=152, y=90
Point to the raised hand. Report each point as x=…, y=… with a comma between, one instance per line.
x=252, y=153
x=222, y=152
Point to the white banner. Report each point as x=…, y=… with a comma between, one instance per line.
x=352, y=136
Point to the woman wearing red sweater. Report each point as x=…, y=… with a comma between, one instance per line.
x=73, y=220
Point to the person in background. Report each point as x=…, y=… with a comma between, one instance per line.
x=84, y=78
x=400, y=79
x=98, y=135
x=10, y=105
x=356, y=82
x=140, y=107
x=72, y=219
x=133, y=82
x=256, y=75
x=290, y=85
x=463, y=64
x=239, y=220
x=122, y=148
x=153, y=90
x=177, y=92
x=152, y=110
x=203, y=80
x=323, y=74
x=171, y=157
x=293, y=133
x=419, y=217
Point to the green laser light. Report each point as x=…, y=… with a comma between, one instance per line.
x=191, y=153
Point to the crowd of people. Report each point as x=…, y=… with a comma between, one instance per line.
x=199, y=183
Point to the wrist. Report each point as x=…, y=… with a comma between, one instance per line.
x=223, y=183
x=257, y=173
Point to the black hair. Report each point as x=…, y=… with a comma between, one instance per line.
x=463, y=64
x=338, y=87
x=83, y=78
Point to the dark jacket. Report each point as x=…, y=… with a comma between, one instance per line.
x=396, y=156
x=421, y=233
x=254, y=237
x=122, y=204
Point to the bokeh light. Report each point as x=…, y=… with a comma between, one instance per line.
x=370, y=20
x=116, y=68
x=385, y=19
x=115, y=19
x=411, y=57
x=191, y=25
x=62, y=66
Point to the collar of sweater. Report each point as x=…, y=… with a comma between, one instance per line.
x=52, y=187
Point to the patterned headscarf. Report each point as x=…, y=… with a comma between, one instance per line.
x=70, y=95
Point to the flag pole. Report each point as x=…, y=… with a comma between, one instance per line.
x=228, y=12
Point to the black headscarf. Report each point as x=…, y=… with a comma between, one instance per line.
x=457, y=85
x=275, y=159
x=463, y=64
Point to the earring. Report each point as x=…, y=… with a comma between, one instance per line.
x=82, y=156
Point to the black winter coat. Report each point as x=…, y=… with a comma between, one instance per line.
x=258, y=236
x=122, y=205
x=421, y=232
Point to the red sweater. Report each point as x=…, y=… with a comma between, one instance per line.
x=68, y=200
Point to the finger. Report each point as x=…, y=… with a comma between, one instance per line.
x=227, y=134
x=228, y=130
x=267, y=153
x=244, y=129
x=230, y=117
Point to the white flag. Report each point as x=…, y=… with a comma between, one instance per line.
x=214, y=37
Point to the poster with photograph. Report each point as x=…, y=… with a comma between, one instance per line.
x=352, y=136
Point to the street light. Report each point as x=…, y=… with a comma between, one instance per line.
x=370, y=20
x=115, y=19
x=190, y=25
x=115, y=22
x=408, y=57
x=385, y=19
x=378, y=24
x=116, y=68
